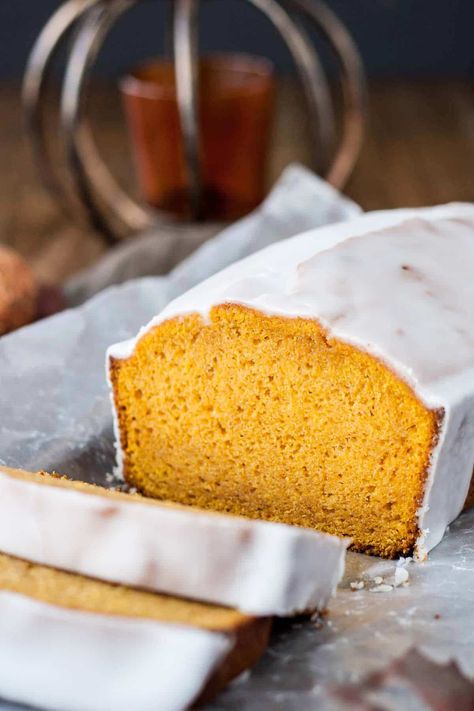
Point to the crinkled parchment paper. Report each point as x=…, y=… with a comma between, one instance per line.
x=55, y=414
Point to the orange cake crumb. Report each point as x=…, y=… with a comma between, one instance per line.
x=268, y=417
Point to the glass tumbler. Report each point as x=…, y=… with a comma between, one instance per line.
x=236, y=102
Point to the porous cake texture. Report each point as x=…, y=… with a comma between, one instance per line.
x=326, y=381
x=258, y=567
x=69, y=642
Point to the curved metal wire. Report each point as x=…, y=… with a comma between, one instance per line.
x=353, y=85
x=312, y=76
x=108, y=207
x=34, y=88
x=186, y=67
x=93, y=182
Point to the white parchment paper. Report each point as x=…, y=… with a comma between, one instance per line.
x=55, y=414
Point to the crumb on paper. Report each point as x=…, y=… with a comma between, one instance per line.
x=401, y=576
x=124, y=488
x=242, y=678
x=381, y=588
x=357, y=585
x=317, y=620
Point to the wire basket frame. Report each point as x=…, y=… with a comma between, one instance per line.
x=91, y=191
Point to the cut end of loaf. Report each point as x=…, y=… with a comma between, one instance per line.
x=268, y=417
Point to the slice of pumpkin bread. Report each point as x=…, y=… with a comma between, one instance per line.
x=70, y=642
x=258, y=567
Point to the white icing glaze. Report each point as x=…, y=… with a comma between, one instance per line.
x=397, y=284
x=119, y=456
x=259, y=567
x=69, y=660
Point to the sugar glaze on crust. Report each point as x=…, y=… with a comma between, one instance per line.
x=397, y=284
x=98, y=661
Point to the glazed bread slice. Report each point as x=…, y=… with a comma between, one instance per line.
x=258, y=567
x=69, y=642
x=326, y=381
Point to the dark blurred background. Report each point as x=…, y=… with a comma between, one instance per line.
x=397, y=38
x=419, y=143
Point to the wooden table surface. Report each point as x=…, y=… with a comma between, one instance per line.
x=419, y=150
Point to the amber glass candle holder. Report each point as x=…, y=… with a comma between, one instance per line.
x=236, y=100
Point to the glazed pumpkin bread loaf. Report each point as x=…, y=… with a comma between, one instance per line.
x=326, y=381
x=109, y=647
x=259, y=567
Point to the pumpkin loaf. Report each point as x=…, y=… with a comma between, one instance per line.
x=69, y=642
x=258, y=567
x=326, y=381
